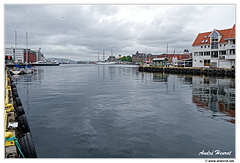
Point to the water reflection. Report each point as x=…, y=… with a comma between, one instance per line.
x=216, y=95
x=208, y=93
x=37, y=76
x=160, y=77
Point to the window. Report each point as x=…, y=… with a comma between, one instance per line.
x=207, y=53
x=200, y=53
x=222, y=52
x=214, y=45
x=214, y=54
x=214, y=35
x=206, y=62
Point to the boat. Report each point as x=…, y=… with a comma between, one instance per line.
x=44, y=63
x=16, y=70
x=104, y=62
x=27, y=69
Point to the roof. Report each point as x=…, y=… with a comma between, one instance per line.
x=231, y=33
x=204, y=39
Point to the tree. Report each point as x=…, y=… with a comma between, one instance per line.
x=126, y=58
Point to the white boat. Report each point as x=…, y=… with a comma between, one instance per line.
x=105, y=63
x=27, y=71
x=15, y=72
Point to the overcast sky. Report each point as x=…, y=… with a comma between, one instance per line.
x=79, y=32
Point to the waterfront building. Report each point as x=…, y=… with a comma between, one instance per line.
x=143, y=57
x=19, y=55
x=140, y=57
x=30, y=56
x=15, y=53
x=215, y=49
x=160, y=61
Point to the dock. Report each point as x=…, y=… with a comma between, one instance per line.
x=228, y=72
x=18, y=139
x=33, y=64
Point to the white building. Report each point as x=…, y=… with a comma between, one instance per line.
x=215, y=49
x=16, y=53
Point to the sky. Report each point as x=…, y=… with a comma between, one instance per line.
x=80, y=32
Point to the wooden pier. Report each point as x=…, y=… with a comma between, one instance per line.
x=228, y=72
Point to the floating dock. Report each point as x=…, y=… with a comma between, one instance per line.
x=18, y=139
x=228, y=72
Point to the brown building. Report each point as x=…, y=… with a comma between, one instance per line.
x=31, y=57
x=143, y=57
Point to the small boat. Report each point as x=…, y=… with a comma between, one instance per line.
x=16, y=70
x=27, y=70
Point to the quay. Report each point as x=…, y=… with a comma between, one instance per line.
x=18, y=139
x=34, y=64
x=228, y=72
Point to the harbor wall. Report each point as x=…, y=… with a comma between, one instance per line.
x=228, y=72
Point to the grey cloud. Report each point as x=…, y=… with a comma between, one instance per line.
x=80, y=31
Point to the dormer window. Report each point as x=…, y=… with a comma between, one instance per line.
x=214, y=40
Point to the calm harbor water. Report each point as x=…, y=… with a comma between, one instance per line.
x=114, y=111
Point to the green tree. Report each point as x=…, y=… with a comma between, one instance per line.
x=126, y=58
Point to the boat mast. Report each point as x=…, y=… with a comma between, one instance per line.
x=98, y=56
x=167, y=50
x=15, y=39
x=26, y=48
x=103, y=56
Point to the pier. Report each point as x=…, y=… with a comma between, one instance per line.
x=228, y=72
x=18, y=139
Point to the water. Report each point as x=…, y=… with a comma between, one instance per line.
x=114, y=111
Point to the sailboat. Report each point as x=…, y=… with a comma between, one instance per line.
x=16, y=70
x=104, y=62
x=27, y=69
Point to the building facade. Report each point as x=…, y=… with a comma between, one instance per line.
x=17, y=54
x=215, y=49
x=21, y=55
x=143, y=57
